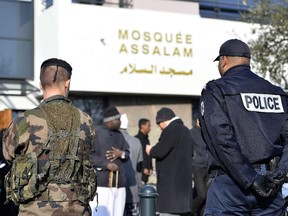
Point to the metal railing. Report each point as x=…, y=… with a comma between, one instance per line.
x=118, y=3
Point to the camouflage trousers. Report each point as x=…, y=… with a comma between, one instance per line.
x=53, y=208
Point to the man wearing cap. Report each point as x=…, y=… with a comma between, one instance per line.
x=48, y=148
x=244, y=122
x=173, y=154
x=109, y=152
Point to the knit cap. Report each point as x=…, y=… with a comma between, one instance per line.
x=111, y=113
x=164, y=114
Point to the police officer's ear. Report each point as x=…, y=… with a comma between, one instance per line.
x=220, y=62
x=224, y=60
x=198, y=122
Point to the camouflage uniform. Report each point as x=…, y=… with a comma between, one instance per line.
x=53, y=131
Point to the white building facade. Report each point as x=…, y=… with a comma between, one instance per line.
x=141, y=58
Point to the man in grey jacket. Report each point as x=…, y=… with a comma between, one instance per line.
x=132, y=169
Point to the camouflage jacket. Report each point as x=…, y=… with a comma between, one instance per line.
x=49, y=133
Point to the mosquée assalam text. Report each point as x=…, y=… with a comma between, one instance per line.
x=157, y=43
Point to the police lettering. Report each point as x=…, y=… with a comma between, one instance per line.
x=262, y=102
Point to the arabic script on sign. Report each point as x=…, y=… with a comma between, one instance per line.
x=132, y=69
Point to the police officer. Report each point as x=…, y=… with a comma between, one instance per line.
x=245, y=125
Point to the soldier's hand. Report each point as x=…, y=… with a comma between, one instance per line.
x=112, y=166
x=260, y=187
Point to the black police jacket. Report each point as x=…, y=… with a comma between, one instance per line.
x=244, y=122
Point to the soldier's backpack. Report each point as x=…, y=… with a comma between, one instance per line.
x=56, y=161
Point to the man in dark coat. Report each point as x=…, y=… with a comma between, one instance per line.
x=173, y=164
x=109, y=153
x=200, y=169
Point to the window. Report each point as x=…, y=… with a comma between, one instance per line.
x=224, y=9
x=16, y=40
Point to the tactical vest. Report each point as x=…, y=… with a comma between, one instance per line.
x=60, y=160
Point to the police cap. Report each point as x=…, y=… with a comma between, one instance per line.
x=234, y=47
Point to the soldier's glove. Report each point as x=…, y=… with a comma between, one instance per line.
x=261, y=188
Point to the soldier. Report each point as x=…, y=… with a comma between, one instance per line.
x=48, y=148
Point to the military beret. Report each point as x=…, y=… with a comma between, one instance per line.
x=57, y=62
